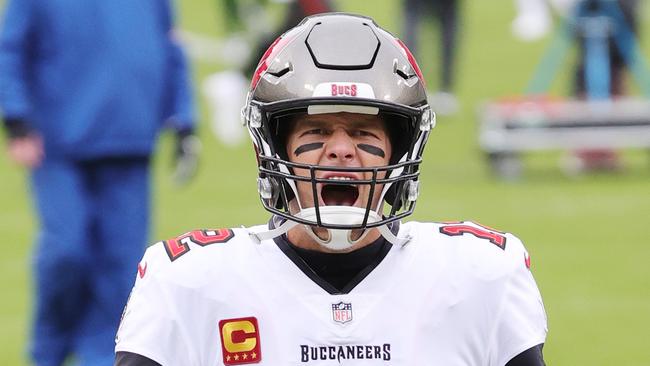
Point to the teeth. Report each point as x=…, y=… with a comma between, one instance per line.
x=340, y=178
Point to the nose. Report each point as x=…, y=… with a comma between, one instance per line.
x=340, y=146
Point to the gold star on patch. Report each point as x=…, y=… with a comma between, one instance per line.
x=236, y=357
x=253, y=355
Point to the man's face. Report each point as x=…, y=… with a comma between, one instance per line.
x=339, y=140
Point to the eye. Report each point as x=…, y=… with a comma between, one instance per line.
x=314, y=131
x=365, y=133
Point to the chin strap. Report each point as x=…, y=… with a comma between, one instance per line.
x=392, y=238
x=338, y=239
x=273, y=233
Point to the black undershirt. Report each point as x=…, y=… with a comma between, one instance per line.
x=339, y=269
x=336, y=273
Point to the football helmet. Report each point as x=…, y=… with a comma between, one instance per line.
x=330, y=63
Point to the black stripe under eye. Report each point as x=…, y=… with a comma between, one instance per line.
x=308, y=147
x=374, y=150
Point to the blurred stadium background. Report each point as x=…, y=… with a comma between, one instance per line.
x=588, y=235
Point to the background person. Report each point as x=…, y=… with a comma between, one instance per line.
x=85, y=88
x=618, y=20
x=447, y=15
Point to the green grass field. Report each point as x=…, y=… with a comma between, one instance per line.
x=589, y=236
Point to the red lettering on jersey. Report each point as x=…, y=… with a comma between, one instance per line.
x=176, y=247
x=207, y=237
x=475, y=223
x=353, y=90
x=495, y=238
x=240, y=341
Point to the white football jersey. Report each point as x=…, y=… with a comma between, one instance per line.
x=456, y=294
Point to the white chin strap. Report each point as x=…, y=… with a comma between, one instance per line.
x=338, y=239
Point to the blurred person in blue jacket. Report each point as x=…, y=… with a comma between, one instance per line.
x=85, y=88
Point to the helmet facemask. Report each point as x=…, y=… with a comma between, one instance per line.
x=329, y=212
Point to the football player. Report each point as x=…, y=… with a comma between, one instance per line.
x=339, y=119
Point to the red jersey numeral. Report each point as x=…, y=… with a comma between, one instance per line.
x=493, y=237
x=176, y=247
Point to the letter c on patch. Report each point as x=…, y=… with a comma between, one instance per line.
x=239, y=336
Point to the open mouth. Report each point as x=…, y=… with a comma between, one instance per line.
x=339, y=194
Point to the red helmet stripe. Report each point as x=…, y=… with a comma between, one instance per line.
x=411, y=59
x=270, y=53
x=262, y=65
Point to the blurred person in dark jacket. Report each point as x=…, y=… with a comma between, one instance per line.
x=446, y=13
x=85, y=88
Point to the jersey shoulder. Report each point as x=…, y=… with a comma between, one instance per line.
x=194, y=253
x=468, y=242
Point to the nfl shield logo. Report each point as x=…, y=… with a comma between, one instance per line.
x=342, y=312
